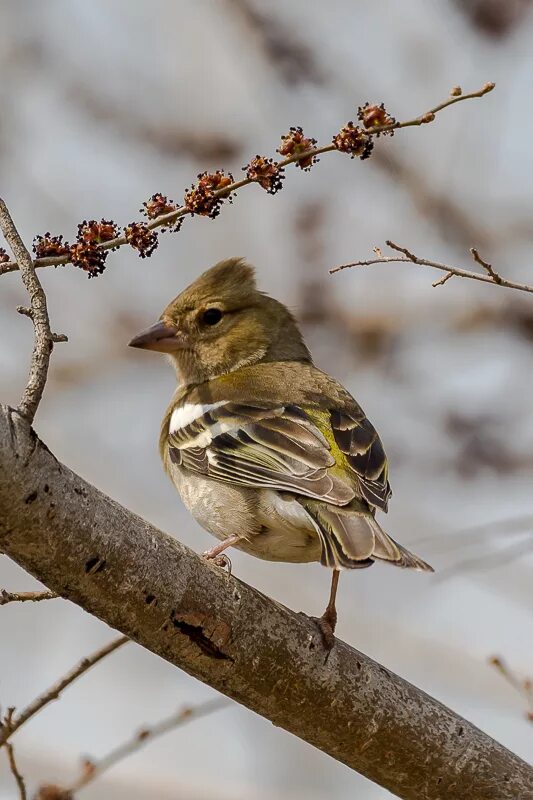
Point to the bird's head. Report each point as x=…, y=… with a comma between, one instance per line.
x=222, y=322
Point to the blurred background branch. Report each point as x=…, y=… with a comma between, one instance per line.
x=524, y=686
x=93, y=769
x=11, y=722
x=21, y=786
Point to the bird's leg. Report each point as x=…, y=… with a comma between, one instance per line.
x=328, y=620
x=215, y=552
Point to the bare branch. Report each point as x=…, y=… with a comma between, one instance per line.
x=12, y=723
x=441, y=281
x=24, y=597
x=15, y=771
x=410, y=258
x=169, y=219
x=235, y=639
x=455, y=97
x=94, y=769
x=487, y=267
x=523, y=687
x=43, y=338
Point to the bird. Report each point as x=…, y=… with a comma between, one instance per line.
x=269, y=453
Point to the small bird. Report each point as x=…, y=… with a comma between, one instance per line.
x=269, y=454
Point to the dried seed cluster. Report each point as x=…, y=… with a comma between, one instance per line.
x=97, y=232
x=374, y=116
x=293, y=143
x=158, y=204
x=141, y=238
x=205, y=197
x=88, y=256
x=84, y=253
x=48, y=245
x=266, y=172
x=351, y=139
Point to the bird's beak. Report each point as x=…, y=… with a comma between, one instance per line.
x=162, y=337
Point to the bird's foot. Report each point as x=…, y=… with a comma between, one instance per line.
x=220, y=559
x=326, y=625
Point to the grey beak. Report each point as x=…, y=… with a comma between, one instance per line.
x=161, y=337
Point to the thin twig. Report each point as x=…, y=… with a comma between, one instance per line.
x=167, y=220
x=486, y=266
x=43, y=337
x=12, y=723
x=15, y=771
x=410, y=258
x=430, y=115
x=94, y=769
x=523, y=687
x=441, y=281
x=24, y=597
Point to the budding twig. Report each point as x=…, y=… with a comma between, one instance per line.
x=24, y=597
x=168, y=219
x=12, y=723
x=491, y=277
x=43, y=337
x=94, y=769
x=430, y=115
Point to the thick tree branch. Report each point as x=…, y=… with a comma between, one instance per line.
x=86, y=547
x=408, y=257
x=38, y=313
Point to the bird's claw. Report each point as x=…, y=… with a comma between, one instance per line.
x=326, y=626
x=221, y=560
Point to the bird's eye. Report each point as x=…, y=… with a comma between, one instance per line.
x=212, y=316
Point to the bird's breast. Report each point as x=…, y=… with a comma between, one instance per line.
x=273, y=526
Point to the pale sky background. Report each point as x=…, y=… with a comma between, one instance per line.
x=103, y=104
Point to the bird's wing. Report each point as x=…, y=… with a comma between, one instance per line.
x=333, y=462
x=318, y=404
x=358, y=440
x=261, y=445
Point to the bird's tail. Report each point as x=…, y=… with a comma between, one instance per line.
x=351, y=538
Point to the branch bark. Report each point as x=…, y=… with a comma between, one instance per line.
x=96, y=553
x=24, y=597
x=44, y=339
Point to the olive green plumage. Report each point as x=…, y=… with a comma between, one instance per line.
x=262, y=445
